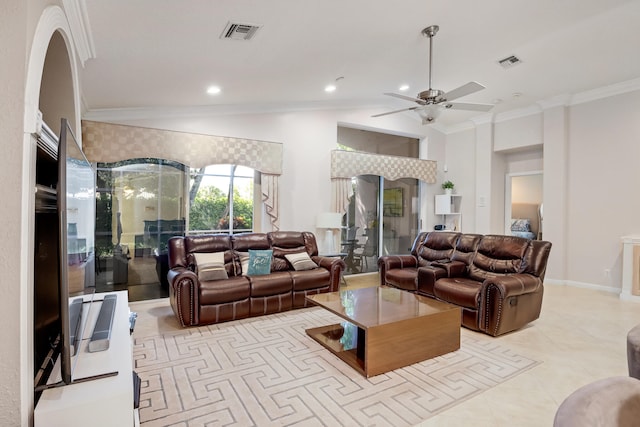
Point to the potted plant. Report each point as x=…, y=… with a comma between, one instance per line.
x=447, y=186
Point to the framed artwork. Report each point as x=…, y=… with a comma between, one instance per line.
x=392, y=202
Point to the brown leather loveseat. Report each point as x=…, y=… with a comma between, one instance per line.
x=496, y=280
x=201, y=297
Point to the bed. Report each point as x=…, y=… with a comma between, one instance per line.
x=525, y=220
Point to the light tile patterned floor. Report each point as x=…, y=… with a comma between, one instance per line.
x=579, y=338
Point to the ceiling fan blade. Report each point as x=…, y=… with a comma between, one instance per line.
x=463, y=90
x=406, y=98
x=468, y=106
x=394, y=111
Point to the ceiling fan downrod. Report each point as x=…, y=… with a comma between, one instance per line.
x=430, y=32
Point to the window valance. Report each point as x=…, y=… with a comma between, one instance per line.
x=347, y=164
x=105, y=142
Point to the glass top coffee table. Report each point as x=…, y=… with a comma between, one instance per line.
x=386, y=328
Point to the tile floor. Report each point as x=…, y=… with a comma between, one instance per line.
x=580, y=337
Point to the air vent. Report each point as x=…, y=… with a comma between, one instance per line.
x=237, y=31
x=509, y=61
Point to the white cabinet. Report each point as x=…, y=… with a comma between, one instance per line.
x=104, y=402
x=448, y=207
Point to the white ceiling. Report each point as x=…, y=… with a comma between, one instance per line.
x=163, y=54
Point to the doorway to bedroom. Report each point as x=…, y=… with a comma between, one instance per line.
x=523, y=205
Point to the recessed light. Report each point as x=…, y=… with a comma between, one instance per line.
x=213, y=90
x=403, y=88
x=330, y=88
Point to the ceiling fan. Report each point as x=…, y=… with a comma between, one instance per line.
x=432, y=101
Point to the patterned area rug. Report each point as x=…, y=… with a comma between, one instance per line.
x=266, y=371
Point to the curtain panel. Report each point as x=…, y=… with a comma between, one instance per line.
x=105, y=142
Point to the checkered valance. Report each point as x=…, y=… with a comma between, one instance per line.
x=347, y=164
x=107, y=143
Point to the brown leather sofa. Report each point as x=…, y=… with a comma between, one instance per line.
x=201, y=302
x=496, y=280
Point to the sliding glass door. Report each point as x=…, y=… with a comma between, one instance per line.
x=382, y=219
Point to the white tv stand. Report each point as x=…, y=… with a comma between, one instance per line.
x=106, y=401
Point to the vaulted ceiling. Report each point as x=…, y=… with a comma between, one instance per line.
x=164, y=54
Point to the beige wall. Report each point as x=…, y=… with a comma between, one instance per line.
x=603, y=202
x=13, y=48
x=588, y=153
x=526, y=189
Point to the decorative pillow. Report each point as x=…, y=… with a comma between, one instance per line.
x=259, y=262
x=301, y=261
x=520, y=225
x=244, y=262
x=210, y=266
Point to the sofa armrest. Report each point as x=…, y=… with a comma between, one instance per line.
x=389, y=262
x=427, y=277
x=184, y=295
x=335, y=265
x=513, y=284
x=509, y=302
x=453, y=268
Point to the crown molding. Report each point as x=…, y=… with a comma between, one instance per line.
x=556, y=101
x=76, y=12
x=606, y=91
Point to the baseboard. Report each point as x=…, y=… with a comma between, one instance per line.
x=583, y=285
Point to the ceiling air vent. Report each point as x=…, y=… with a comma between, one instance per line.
x=509, y=61
x=236, y=31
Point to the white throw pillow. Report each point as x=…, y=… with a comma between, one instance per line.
x=210, y=266
x=244, y=262
x=301, y=261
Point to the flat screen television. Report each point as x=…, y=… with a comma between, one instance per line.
x=74, y=234
x=77, y=213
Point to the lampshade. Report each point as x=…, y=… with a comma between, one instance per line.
x=329, y=220
x=429, y=113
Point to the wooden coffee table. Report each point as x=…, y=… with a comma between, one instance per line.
x=386, y=328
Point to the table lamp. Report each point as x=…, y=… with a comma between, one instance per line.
x=329, y=221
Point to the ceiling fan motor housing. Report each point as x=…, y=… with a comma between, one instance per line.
x=430, y=95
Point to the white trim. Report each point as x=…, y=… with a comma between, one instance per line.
x=606, y=91
x=556, y=101
x=80, y=28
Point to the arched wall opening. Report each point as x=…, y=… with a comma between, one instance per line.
x=51, y=87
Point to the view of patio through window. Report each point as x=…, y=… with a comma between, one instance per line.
x=142, y=203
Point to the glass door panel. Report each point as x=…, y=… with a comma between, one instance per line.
x=400, y=215
x=360, y=236
x=376, y=225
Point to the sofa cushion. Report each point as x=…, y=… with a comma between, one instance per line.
x=259, y=262
x=276, y=283
x=287, y=242
x=460, y=291
x=437, y=246
x=235, y=288
x=497, y=256
x=403, y=278
x=310, y=279
x=301, y=261
x=210, y=266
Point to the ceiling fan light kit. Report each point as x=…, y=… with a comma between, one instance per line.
x=432, y=101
